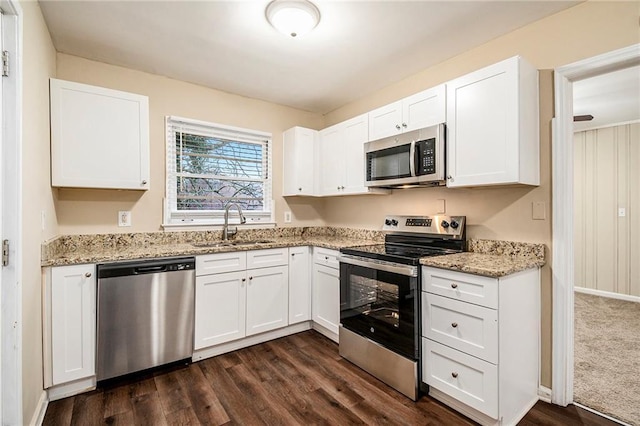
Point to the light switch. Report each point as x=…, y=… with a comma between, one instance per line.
x=539, y=210
x=124, y=218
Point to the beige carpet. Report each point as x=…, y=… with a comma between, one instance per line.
x=607, y=356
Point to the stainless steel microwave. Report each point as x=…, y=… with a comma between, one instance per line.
x=409, y=159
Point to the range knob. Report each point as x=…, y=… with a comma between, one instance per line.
x=387, y=222
x=444, y=224
x=394, y=222
x=454, y=224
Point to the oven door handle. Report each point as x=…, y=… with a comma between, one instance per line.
x=407, y=270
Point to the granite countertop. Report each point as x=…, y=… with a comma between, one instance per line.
x=92, y=254
x=491, y=258
x=488, y=265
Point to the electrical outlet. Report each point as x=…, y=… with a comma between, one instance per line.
x=124, y=218
x=287, y=217
x=440, y=206
x=43, y=219
x=622, y=212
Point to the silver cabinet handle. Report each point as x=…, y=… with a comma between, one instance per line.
x=293, y=254
x=244, y=279
x=449, y=177
x=144, y=182
x=404, y=125
x=454, y=285
x=338, y=188
x=250, y=278
x=326, y=258
x=454, y=374
x=87, y=274
x=454, y=324
x=342, y=187
x=398, y=126
x=299, y=189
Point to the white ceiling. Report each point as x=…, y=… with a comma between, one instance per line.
x=611, y=98
x=358, y=47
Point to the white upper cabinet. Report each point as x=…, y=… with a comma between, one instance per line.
x=423, y=109
x=299, y=158
x=342, y=158
x=99, y=137
x=493, y=126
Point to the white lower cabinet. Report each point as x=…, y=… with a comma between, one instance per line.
x=480, y=342
x=232, y=305
x=326, y=291
x=69, y=324
x=299, y=284
x=221, y=305
x=267, y=299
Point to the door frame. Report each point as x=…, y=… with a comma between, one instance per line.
x=563, y=211
x=11, y=320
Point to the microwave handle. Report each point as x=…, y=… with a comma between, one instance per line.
x=412, y=158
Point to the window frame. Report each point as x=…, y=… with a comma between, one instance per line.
x=174, y=218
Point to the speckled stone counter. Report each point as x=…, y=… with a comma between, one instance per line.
x=491, y=258
x=78, y=249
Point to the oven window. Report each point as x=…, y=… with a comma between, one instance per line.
x=381, y=306
x=390, y=163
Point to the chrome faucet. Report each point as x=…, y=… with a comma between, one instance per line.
x=225, y=230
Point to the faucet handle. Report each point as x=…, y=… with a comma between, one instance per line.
x=243, y=219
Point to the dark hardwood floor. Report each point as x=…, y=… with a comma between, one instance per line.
x=296, y=380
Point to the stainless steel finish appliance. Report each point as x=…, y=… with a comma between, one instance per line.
x=145, y=314
x=380, y=296
x=409, y=159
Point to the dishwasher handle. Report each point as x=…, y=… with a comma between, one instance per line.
x=149, y=269
x=149, y=266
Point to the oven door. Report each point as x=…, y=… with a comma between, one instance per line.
x=379, y=301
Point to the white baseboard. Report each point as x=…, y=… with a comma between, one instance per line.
x=608, y=294
x=41, y=409
x=544, y=393
x=325, y=332
x=71, y=388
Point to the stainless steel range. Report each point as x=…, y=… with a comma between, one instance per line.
x=380, y=296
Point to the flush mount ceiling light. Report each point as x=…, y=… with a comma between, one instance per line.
x=293, y=17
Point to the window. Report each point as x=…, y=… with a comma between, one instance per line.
x=209, y=166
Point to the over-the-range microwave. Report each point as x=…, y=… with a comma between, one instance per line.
x=409, y=159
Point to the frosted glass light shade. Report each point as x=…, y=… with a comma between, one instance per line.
x=293, y=17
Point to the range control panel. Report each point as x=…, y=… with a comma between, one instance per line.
x=452, y=226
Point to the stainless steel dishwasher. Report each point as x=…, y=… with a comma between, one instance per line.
x=145, y=314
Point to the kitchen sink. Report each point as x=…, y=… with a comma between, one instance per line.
x=231, y=243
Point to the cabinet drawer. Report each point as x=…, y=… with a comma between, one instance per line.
x=267, y=258
x=326, y=257
x=468, y=379
x=475, y=289
x=470, y=328
x=221, y=262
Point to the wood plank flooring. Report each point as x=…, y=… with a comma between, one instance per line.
x=296, y=380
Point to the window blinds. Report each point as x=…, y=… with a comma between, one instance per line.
x=211, y=165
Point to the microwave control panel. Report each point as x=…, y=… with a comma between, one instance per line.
x=426, y=157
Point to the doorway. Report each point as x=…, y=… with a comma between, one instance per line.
x=563, y=210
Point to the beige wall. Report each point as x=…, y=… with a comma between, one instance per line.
x=95, y=211
x=607, y=177
x=38, y=65
x=580, y=32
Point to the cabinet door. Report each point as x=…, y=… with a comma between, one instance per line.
x=298, y=161
x=220, y=308
x=424, y=109
x=331, y=161
x=355, y=132
x=482, y=121
x=299, y=285
x=326, y=297
x=385, y=121
x=73, y=323
x=99, y=137
x=267, y=299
